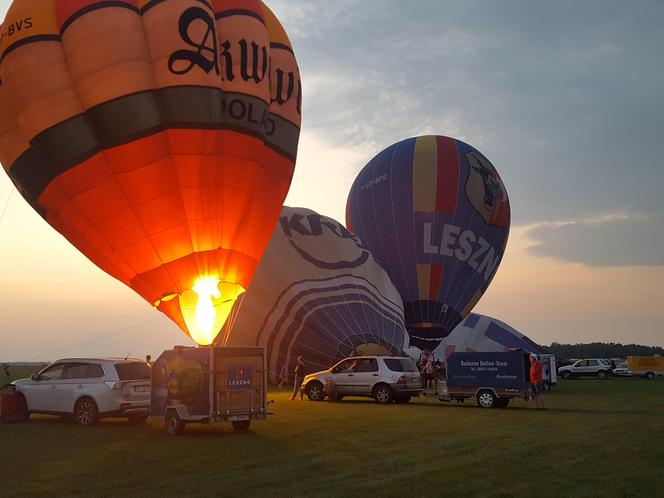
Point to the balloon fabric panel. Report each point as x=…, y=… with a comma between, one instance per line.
x=158, y=137
x=435, y=214
x=318, y=292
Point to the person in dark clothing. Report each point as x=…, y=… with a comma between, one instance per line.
x=6, y=367
x=299, y=377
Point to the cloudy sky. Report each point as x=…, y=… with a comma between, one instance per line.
x=565, y=98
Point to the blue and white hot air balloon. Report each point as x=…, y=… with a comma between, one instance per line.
x=435, y=214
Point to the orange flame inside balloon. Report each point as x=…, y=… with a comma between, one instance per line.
x=206, y=307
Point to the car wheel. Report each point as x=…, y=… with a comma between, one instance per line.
x=315, y=391
x=174, y=425
x=650, y=375
x=138, y=419
x=486, y=399
x=241, y=425
x=86, y=411
x=601, y=374
x=383, y=394
x=23, y=414
x=566, y=374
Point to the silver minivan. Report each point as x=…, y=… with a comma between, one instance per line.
x=88, y=389
x=387, y=379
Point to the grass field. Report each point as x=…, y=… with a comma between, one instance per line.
x=596, y=438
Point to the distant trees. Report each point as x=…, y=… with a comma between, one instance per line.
x=601, y=350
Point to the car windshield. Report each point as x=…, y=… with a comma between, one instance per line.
x=401, y=364
x=135, y=370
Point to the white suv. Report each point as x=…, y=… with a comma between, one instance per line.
x=384, y=378
x=88, y=389
x=591, y=367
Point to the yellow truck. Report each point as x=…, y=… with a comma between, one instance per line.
x=646, y=366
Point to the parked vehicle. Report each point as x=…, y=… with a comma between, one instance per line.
x=385, y=378
x=492, y=378
x=647, y=367
x=622, y=370
x=591, y=367
x=88, y=389
x=209, y=385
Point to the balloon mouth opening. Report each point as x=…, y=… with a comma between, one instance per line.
x=204, y=308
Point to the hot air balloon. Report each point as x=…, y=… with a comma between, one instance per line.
x=435, y=214
x=159, y=137
x=482, y=333
x=318, y=292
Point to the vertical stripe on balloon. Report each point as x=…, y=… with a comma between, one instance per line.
x=423, y=280
x=424, y=175
x=447, y=181
x=434, y=281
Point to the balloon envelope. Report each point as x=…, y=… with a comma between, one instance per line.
x=158, y=137
x=435, y=214
x=482, y=333
x=318, y=292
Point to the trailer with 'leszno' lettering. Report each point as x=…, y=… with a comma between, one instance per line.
x=492, y=378
x=209, y=385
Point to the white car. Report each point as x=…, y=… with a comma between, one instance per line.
x=622, y=370
x=88, y=389
x=384, y=378
x=591, y=367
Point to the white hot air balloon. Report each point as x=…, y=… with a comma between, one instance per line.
x=318, y=293
x=483, y=334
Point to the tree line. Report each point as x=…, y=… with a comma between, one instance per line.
x=601, y=350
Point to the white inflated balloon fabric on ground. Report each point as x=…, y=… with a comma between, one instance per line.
x=318, y=293
x=484, y=334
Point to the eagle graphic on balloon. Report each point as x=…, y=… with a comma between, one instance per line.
x=160, y=139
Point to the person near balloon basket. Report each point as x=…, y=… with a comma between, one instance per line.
x=426, y=365
x=536, y=382
x=299, y=377
x=283, y=376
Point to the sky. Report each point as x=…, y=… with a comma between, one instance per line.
x=564, y=98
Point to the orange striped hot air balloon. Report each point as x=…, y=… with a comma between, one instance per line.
x=159, y=137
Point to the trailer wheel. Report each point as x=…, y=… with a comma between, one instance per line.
x=174, y=425
x=241, y=425
x=486, y=399
x=650, y=375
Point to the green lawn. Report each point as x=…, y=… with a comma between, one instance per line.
x=596, y=438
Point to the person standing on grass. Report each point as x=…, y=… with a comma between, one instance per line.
x=6, y=367
x=299, y=377
x=536, y=381
x=283, y=376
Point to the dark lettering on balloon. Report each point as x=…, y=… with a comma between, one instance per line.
x=296, y=227
x=226, y=61
x=249, y=69
x=237, y=109
x=16, y=27
x=283, y=90
x=204, y=54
